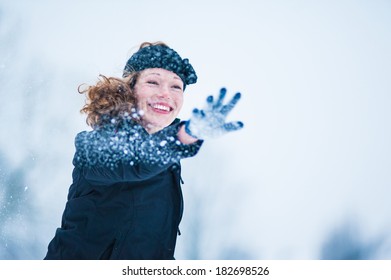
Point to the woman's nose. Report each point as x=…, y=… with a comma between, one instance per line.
x=164, y=92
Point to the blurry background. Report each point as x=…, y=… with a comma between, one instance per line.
x=307, y=178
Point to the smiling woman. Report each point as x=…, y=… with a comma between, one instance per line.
x=125, y=201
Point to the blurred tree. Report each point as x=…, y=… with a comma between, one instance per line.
x=346, y=243
x=17, y=214
x=21, y=123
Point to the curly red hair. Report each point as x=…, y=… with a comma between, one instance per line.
x=109, y=98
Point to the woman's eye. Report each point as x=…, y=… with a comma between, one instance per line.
x=177, y=87
x=152, y=82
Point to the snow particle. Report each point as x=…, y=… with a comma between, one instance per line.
x=163, y=143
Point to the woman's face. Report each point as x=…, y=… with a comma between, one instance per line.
x=160, y=98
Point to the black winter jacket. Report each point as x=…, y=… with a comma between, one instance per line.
x=125, y=201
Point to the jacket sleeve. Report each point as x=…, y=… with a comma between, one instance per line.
x=109, y=159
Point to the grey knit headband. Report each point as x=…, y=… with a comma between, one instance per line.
x=159, y=56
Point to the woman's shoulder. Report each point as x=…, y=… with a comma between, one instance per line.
x=108, y=144
x=85, y=137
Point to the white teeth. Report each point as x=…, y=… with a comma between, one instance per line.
x=161, y=107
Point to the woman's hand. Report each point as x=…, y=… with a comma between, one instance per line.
x=210, y=122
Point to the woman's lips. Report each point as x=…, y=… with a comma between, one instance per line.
x=160, y=107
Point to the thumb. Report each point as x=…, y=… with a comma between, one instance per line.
x=233, y=126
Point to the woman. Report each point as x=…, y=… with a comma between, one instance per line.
x=125, y=201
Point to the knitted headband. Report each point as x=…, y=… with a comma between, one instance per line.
x=160, y=56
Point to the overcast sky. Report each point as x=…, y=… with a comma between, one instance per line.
x=315, y=78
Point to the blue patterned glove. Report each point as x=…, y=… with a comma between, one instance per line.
x=210, y=122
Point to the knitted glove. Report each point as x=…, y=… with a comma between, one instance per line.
x=210, y=122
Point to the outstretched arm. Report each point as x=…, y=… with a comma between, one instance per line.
x=134, y=156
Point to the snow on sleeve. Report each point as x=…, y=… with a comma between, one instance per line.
x=127, y=142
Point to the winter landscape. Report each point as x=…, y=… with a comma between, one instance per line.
x=308, y=177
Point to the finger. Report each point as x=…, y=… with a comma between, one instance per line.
x=196, y=113
x=209, y=103
x=199, y=114
x=233, y=126
x=227, y=108
x=219, y=101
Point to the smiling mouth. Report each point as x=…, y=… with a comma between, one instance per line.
x=161, y=107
